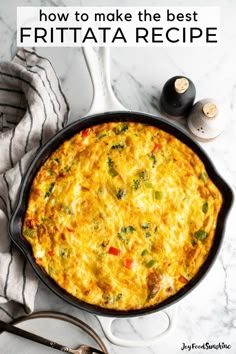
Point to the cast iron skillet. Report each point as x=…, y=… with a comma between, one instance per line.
x=87, y=122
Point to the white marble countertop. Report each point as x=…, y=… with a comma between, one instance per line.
x=208, y=314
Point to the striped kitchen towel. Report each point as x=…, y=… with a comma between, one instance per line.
x=32, y=109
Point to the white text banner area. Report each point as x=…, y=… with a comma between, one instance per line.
x=118, y=26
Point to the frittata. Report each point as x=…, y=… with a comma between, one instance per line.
x=122, y=215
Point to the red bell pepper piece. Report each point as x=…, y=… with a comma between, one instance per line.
x=157, y=146
x=50, y=253
x=183, y=280
x=84, y=133
x=31, y=222
x=63, y=237
x=114, y=251
x=129, y=263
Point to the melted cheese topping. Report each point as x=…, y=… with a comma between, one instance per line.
x=122, y=215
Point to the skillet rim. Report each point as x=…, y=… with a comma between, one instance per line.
x=66, y=133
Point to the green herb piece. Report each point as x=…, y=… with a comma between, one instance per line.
x=51, y=270
x=102, y=254
x=119, y=235
x=111, y=299
x=107, y=299
x=122, y=235
x=121, y=129
x=143, y=175
x=64, y=252
x=205, y=207
x=118, y=297
x=120, y=194
x=57, y=160
x=104, y=243
x=201, y=235
x=158, y=195
x=145, y=226
x=110, y=162
x=44, y=219
x=68, y=210
x=66, y=169
x=117, y=147
x=193, y=242
x=144, y=253
x=154, y=159
x=128, y=229
x=111, y=170
x=147, y=234
x=155, y=229
x=136, y=184
x=148, y=185
x=151, y=263
x=49, y=191
x=100, y=189
x=100, y=136
x=96, y=226
x=27, y=232
x=51, y=172
x=204, y=176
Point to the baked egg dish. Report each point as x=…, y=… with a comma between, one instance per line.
x=122, y=215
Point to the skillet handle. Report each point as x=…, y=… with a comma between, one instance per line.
x=98, y=63
x=106, y=324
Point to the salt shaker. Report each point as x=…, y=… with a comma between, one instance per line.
x=177, y=97
x=205, y=121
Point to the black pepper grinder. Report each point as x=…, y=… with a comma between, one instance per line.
x=177, y=97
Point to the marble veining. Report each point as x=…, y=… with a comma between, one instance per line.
x=207, y=314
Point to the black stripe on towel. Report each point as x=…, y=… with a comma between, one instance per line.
x=49, y=95
x=10, y=90
x=33, y=88
x=31, y=124
x=49, y=82
x=6, y=312
x=5, y=205
x=12, y=106
x=23, y=286
x=10, y=148
x=20, y=57
x=4, y=202
x=20, y=169
x=47, y=78
x=8, y=193
x=11, y=244
x=8, y=269
x=21, y=79
x=59, y=85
